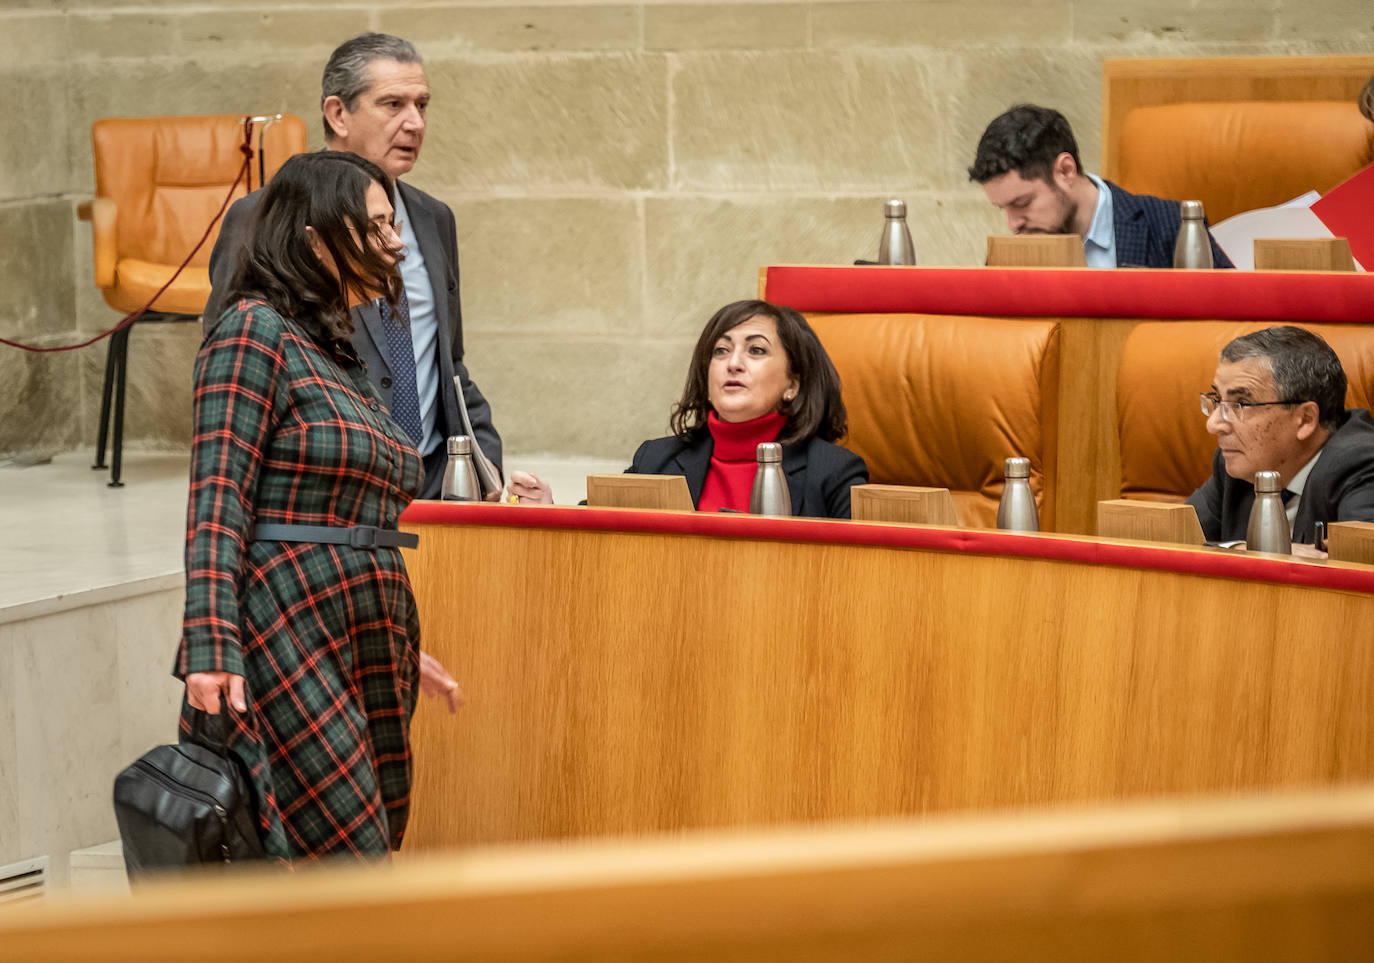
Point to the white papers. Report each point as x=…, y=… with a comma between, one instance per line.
x=1291, y=219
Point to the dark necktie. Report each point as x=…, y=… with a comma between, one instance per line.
x=405, y=399
x=1288, y=496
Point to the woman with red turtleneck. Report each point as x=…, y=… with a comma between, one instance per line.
x=758, y=373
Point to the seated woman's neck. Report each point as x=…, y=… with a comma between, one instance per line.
x=739, y=440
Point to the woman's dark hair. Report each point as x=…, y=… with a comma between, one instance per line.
x=327, y=192
x=817, y=409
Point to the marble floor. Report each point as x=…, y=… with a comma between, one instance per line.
x=65, y=531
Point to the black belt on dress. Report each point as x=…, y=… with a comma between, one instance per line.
x=356, y=536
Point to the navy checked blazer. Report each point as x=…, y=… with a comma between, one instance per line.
x=1146, y=228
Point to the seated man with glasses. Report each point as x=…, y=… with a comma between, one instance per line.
x=1278, y=404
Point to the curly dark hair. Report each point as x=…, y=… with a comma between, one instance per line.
x=326, y=192
x=1025, y=139
x=817, y=409
x=1366, y=99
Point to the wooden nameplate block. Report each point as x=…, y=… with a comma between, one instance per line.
x=1149, y=521
x=1303, y=254
x=902, y=503
x=1036, y=250
x=1350, y=542
x=658, y=492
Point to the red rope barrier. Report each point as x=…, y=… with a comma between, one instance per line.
x=246, y=148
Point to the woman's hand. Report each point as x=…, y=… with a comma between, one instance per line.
x=529, y=489
x=436, y=682
x=203, y=691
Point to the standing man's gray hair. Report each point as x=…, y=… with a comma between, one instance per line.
x=346, y=76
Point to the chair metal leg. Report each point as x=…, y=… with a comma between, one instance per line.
x=112, y=394
x=121, y=375
x=111, y=349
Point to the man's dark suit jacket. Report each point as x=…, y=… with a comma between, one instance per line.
x=434, y=227
x=1146, y=229
x=819, y=474
x=1340, y=487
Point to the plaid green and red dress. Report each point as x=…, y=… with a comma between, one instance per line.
x=288, y=430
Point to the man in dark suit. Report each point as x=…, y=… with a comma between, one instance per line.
x=1028, y=165
x=1277, y=403
x=374, y=97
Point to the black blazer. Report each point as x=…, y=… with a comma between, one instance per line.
x=435, y=229
x=1339, y=489
x=819, y=474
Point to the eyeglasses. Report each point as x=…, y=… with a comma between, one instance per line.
x=1234, y=411
x=375, y=228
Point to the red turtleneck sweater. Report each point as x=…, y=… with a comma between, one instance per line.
x=734, y=460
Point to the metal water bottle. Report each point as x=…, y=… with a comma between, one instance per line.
x=1193, y=249
x=1016, y=511
x=460, y=475
x=895, y=246
x=770, y=496
x=1268, y=530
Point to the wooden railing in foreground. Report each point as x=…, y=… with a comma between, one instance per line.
x=632, y=671
x=1277, y=879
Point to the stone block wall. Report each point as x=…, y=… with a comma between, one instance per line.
x=618, y=171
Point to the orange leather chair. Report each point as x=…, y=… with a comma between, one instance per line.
x=159, y=181
x=1242, y=156
x=944, y=401
x=1236, y=133
x=1166, y=452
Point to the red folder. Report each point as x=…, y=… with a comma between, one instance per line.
x=1348, y=211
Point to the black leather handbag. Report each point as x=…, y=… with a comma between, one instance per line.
x=187, y=804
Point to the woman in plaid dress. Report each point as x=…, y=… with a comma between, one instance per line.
x=315, y=644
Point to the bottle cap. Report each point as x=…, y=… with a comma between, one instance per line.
x=460, y=445
x=895, y=208
x=1018, y=467
x=1192, y=210
x=769, y=451
x=1267, y=481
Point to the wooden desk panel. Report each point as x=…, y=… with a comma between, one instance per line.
x=1089, y=469
x=1288, y=878
x=629, y=682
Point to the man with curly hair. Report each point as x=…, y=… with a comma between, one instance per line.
x=1028, y=165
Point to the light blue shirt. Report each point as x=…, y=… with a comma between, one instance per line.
x=1099, y=246
x=424, y=328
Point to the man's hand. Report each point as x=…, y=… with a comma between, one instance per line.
x=530, y=489
x=436, y=682
x=203, y=690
